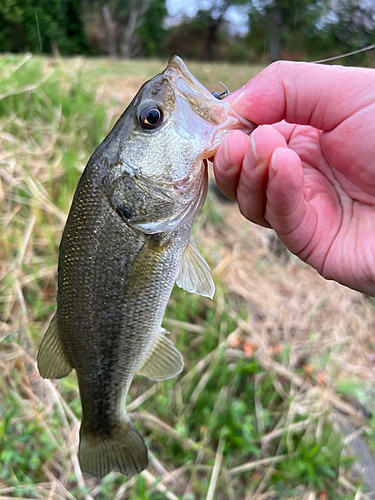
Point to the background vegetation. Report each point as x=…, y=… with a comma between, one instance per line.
x=269, y=29
x=276, y=399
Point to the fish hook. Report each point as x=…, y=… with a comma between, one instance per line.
x=223, y=94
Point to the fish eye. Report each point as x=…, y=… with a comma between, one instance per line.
x=150, y=116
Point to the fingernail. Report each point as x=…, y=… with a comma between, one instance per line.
x=236, y=104
x=253, y=146
x=223, y=163
x=273, y=168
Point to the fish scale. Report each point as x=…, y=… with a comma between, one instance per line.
x=126, y=242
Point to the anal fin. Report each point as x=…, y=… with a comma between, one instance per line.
x=52, y=362
x=163, y=361
x=194, y=273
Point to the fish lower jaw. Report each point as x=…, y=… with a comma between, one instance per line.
x=219, y=133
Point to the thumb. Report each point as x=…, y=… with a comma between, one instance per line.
x=305, y=94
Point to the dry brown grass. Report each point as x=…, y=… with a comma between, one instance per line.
x=288, y=303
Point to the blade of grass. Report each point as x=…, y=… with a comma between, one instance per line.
x=216, y=468
x=258, y=463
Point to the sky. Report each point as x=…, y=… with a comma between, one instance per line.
x=235, y=15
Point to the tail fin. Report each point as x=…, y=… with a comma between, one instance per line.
x=125, y=452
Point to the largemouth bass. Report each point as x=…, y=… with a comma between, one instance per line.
x=126, y=242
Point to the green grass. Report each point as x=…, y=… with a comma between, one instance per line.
x=249, y=413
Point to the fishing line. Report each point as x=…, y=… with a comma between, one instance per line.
x=358, y=51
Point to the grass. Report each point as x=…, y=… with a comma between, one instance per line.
x=276, y=367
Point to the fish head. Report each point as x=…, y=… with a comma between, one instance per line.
x=172, y=125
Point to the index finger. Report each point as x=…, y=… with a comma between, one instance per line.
x=305, y=94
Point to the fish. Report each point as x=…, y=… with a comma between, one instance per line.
x=125, y=243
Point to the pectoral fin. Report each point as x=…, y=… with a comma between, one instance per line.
x=164, y=360
x=194, y=273
x=146, y=264
x=52, y=362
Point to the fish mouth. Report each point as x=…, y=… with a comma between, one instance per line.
x=186, y=86
x=217, y=112
x=182, y=79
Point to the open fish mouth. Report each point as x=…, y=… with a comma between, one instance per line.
x=182, y=79
x=204, y=104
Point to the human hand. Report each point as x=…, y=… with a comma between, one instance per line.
x=310, y=177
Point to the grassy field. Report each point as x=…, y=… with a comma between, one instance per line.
x=276, y=398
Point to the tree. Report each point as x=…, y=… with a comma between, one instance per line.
x=42, y=26
x=213, y=19
x=280, y=24
x=310, y=28
x=126, y=27
x=352, y=23
x=206, y=36
x=151, y=31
